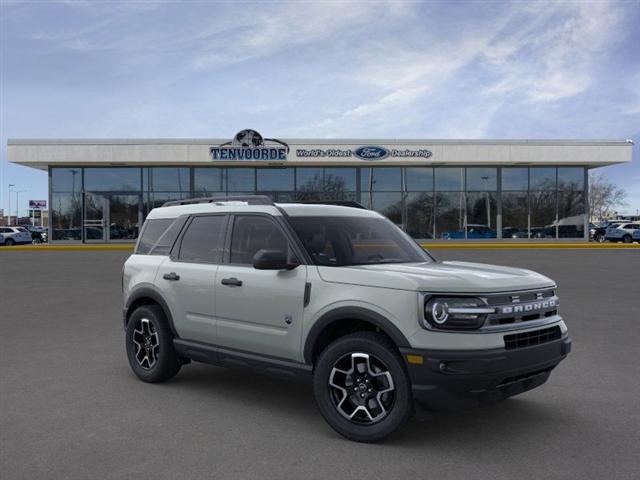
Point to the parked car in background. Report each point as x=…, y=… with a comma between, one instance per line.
x=599, y=231
x=15, y=235
x=473, y=231
x=38, y=234
x=514, y=232
x=622, y=232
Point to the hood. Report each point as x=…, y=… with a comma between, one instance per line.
x=440, y=277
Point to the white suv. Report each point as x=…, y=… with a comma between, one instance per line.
x=338, y=296
x=622, y=232
x=15, y=235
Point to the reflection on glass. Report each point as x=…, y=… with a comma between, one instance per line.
x=124, y=217
x=165, y=179
x=388, y=204
x=66, y=179
x=309, y=179
x=515, y=179
x=66, y=216
x=481, y=215
x=419, y=179
x=570, y=178
x=482, y=179
x=340, y=179
x=275, y=179
x=542, y=178
x=157, y=199
x=543, y=214
x=571, y=212
x=449, y=179
x=381, y=179
x=449, y=208
x=514, y=215
x=241, y=179
x=420, y=214
x=208, y=181
x=112, y=179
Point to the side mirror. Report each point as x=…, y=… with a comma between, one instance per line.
x=272, y=260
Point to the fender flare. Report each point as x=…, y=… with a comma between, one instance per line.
x=351, y=313
x=146, y=292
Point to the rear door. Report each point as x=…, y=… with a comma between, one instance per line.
x=187, y=277
x=259, y=311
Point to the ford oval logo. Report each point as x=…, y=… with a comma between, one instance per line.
x=371, y=153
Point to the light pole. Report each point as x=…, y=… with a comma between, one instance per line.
x=9, y=210
x=18, y=192
x=486, y=199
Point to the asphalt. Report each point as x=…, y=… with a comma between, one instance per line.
x=71, y=408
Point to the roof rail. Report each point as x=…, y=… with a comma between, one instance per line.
x=341, y=203
x=249, y=199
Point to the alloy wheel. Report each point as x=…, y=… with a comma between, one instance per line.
x=146, y=342
x=361, y=388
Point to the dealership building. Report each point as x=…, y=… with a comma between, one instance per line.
x=101, y=190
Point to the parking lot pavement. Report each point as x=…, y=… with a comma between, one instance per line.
x=71, y=408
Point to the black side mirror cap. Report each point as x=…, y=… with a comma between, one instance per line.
x=272, y=260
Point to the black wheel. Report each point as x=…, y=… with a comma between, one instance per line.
x=9, y=242
x=36, y=241
x=626, y=239
x=362, y=388
x=149, y=345
x=599, y=238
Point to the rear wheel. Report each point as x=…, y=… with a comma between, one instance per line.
x=626, y=239
x=362, y=388
x=149, y=344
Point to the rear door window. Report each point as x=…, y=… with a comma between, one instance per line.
x=203, y=241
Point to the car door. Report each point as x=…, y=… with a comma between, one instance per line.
x=259, y=311
x=187, y=277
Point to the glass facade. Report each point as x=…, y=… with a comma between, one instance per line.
x=443, y=203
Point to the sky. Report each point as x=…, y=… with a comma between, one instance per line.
x=374, y=69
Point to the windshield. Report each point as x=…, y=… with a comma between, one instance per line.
x=346, y=241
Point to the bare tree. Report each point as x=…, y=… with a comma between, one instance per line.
x=604, y=196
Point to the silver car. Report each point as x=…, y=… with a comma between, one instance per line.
x=15, y=235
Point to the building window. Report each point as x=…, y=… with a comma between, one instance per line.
x=241, y=181
x=450, y=215
x=515, y=215
x=66, y=216
x=515, y=179
x=112, y=179
x=166, y=179
x=449, y=179
x=208, y=181
x=66, y=179
x=275, y=179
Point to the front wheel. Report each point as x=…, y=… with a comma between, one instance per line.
x=599, y=238
x=149, y=345
x=362, y=387
x=9, y=242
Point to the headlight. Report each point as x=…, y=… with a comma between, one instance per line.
x=455, y=313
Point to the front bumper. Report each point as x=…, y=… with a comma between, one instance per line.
x=449, y=380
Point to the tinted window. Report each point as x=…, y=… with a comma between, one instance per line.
x=344, y=241
x=123, y=179
x=151, y=233
x=515, y=179
x=482, y=179
x=204, y=239
x=252, y=233
x=449, y=179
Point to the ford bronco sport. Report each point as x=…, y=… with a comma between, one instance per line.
x=338, y=296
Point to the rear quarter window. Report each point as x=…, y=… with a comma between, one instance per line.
x=152, y=231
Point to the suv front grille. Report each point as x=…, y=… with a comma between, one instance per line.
x=522, y=307
x=528, y=339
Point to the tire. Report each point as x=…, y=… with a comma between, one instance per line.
x=626, y=239
x=149, y=345
x=385, y=402
x=9, y=242
x=36, y=241
x=599, y=238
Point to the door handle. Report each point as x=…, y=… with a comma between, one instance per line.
x=171, y=276
x=231, y=282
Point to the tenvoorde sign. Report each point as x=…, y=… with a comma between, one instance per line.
x=249, y=145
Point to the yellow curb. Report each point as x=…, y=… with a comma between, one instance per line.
x=48, y=248
x=533, y=246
